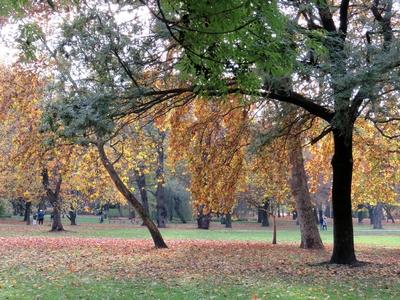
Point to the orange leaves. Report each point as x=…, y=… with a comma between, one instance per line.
x=210, y=137
x=123, y=258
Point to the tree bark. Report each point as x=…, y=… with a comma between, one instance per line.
x=342, y=165
x=155, y=233
x=56, y=225
x=54, y=199
x=310, y=238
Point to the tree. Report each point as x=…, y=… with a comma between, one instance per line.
x=353, y=79
x=310, y=238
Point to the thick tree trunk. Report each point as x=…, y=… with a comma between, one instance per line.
x=155, y=233
x=56, y=225
x=378, y=216
x=310, y=238
x=342, y=164
x=27, y=217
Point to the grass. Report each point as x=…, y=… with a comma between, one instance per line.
x=287, y=232
x=111, y=261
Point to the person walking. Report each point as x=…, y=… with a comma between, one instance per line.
x=40, y=217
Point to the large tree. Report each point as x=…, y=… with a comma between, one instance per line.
x=343, y=62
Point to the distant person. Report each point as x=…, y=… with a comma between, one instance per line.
x=40, y=217
x=34, y=219
x=321, y=223
x=324, y=223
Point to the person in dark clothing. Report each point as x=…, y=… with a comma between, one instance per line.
x=40, y=217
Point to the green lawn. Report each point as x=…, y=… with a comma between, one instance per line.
x=112, y=261
x=288, y=232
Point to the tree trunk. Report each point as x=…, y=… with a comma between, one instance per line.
x=274, y=232
x=310, y=238
x=56, y=225
x=141, y=183
x=342, y=164
x=228, y=220
x=72, y=217
x=378, y=216
x=27, y=218
x=160, y=193
x=155, y=233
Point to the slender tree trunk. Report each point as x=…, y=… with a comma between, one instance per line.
x=141, y=183
x=160, y=193
x=342, y=164
x=274, y=232
x=155, y=233
x=310, y=238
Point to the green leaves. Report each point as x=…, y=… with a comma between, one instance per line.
x=29, y=35
x=226, y=40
